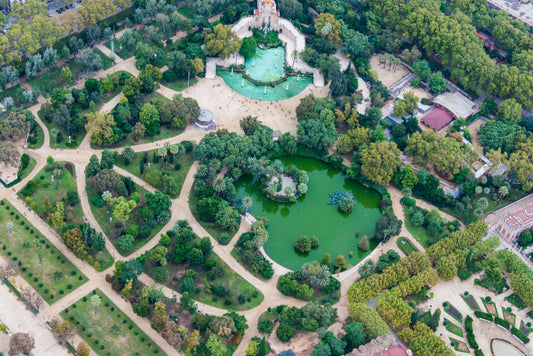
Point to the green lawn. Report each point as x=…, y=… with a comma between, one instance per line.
x=124, y=53
x=50, y=189
x=459, y=346
x=133, y=167
x=405, y=245
x=111, y=332
x=51, y=279
x=453, y=328
x=112, y=229
x=180, y=85
x=28, y=169
x=155, y=99
x=62, y=143
x=187, y=11
x=231, y=281
x=48, y=80
x=419, y=232
x=51, y=78
x=39, y=133
x=213, y=229
x=516, y=301
x=15, y=92
x=108, y=96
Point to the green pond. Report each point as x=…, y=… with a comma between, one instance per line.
x=312, y=215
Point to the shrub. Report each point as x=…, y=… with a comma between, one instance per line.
x=472, y=340
x=483, y=315
x=285, y=332
x=266, y=326
x=502, y=322
x=97, y=200
x=468, y=324
x=478, y=352
x=303, y=244
x=519, y=334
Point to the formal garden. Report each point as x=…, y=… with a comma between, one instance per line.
x=37, y=260
x=106, y=329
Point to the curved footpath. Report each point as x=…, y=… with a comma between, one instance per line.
x=268, y=113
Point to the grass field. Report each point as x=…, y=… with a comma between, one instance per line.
x=112, y=229
x=62, y=143
x=122, y=53
x=419, y=232
x=28, y=169
x=52, y=278
x=155, y=99
x=405, y=245
x=187, y=11
x=51, y=78
x=15, y=92
x=453, y=328
x=230, y=280
x=213, y=229
x=50, y=189
x=133, y=167
x=180, y=85
x=110, y=332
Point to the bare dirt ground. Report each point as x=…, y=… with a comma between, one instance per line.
x=228, y=107
x=386, y=76
x=474, y=128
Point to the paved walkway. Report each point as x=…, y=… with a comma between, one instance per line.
x=228, y=107
x=19, y=319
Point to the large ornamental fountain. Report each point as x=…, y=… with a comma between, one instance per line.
x=264, y=77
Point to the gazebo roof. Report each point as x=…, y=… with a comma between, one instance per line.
x=205, y=116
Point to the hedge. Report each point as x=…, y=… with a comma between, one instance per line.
x=478, y=352
x=472, y=340
x=483, y=315
x=468, y=324
x=502, y=322
x=519, y=334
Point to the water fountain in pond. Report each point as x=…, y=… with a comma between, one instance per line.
x=287, y=88
x=242, y=83
x=265, y=90
x=232, y=71
x=298, y=77
x=253, y=62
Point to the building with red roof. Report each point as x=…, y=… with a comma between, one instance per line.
x=512, y=224
x=437, y=118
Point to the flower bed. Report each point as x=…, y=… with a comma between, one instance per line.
x=459, y=345
x=450, y=309
x=453, y=328
x=471, y=301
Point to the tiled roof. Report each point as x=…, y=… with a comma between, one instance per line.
x=437, y=119
x=520, y=217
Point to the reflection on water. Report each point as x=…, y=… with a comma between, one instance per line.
x=311, y=215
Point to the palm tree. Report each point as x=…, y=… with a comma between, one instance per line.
x=106, y=196
x=219, y=185
x=95, y=302
x=504, y=190
x=247, y=202
x=295, y=55
x=128, y=152
x=166, y=145
x=54, y=133
x=483, y=203
x=57, y=173
x=479, y=190
x=162, y=152
x=173, y=150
